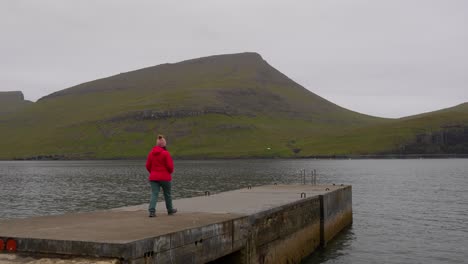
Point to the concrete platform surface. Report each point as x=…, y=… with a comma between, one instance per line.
x=106, y=226
x=242, y=201
x=200, y=225
x=126, y=224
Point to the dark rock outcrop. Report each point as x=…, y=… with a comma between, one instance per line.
x=449, y=139
x=12, y=101
x=12, y=96
x=156, y=115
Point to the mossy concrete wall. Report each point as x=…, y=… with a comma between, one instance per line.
x=294, y=232
x=286, y=235
x=337, y=212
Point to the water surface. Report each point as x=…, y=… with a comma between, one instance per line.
x=405, y=211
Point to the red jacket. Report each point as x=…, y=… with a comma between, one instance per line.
x=159, y=164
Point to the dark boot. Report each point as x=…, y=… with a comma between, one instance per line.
x=171, y=212
x=152, y=214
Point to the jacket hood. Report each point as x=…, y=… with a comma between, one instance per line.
x=157, y=150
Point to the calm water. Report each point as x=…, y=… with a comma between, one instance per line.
x=405, y=211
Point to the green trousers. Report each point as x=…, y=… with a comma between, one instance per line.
x=155, y=187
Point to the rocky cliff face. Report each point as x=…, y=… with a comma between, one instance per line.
x=450, y=139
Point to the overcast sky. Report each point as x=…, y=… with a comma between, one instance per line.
x=388, y=58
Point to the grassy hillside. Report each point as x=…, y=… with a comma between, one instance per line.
x=443, y=131
x=233, y=105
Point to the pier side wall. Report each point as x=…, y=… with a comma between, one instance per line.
x=337, y=213
x=286, y=235
x=196, y=245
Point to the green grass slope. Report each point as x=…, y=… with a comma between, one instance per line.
x=439, y=132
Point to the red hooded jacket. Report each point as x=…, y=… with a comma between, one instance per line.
x=159, y=164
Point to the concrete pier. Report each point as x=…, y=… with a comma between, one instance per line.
x=264, y=224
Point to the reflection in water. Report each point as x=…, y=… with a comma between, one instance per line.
x=404, y=211
x=334, y=249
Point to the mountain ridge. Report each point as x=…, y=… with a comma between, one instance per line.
x=234, y=105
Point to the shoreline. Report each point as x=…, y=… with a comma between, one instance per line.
x=318, y=157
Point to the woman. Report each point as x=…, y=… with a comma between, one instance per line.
x=160, y=166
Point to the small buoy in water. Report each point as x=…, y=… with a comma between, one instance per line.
x=268, y=148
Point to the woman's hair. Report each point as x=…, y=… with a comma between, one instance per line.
x=161, y=141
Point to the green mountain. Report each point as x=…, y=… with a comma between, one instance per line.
x=443, y=131
x=11, y=102
x=234, y=105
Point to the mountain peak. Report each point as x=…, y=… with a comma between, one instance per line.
x=12, y=96
x=234, y=58
x=241, y=55
x=212, y=67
